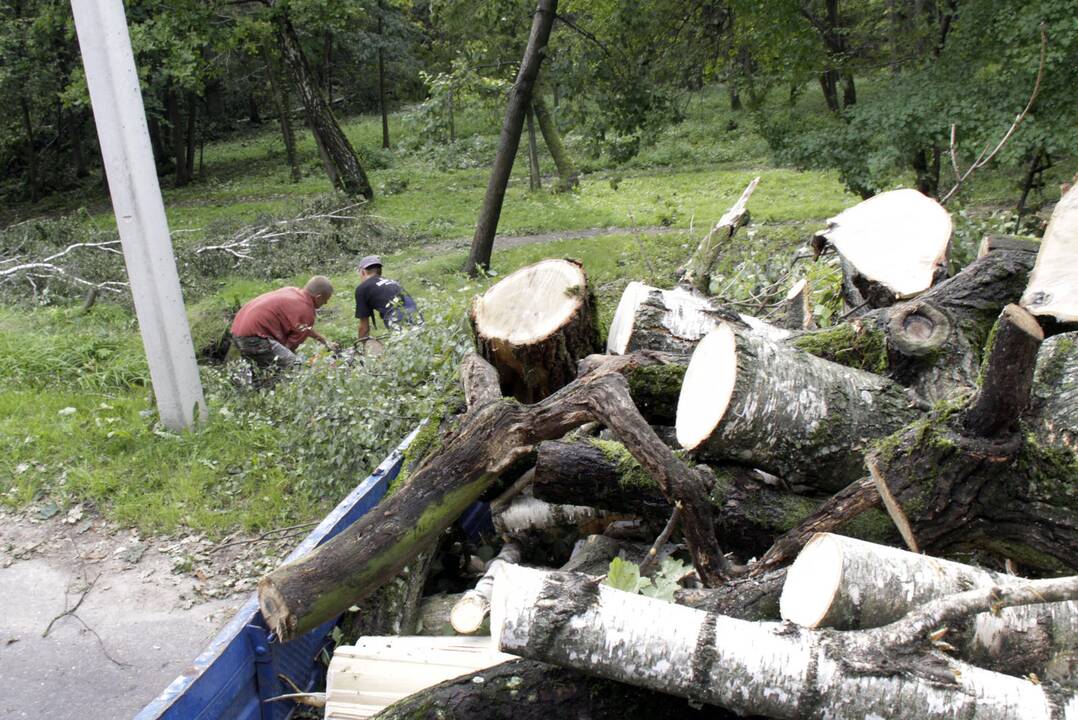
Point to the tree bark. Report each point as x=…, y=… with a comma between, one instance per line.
x=473, y=607
x=303, y=594
x=284, y=114
x=847, y=584
x=526, y=514
x=509, y=141
x=530, y=690
x=807, y=420
x=753, y=598
x=1053, y=411
x=799, y=307
x=698, y=270
x=568, y=177
x=534, y=326
x=672, y=321
x=748, y=667
x=191, y=136
x=382, y=82
x=967, y=476
x=394, y=609
x=179, y=145
x=535, y=180
x=338, y=156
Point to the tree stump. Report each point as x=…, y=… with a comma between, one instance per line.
x=534, y=325
x=790, y=413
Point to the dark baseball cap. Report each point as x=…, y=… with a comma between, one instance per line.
x=369, y=261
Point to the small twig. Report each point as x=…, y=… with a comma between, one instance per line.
x=985, y=157
x=71, y=610
x=653, y=552
x=267, y=535
x=512, y=491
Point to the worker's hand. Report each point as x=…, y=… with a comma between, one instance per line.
x=333, y=346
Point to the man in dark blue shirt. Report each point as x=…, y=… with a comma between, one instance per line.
x=386, y=296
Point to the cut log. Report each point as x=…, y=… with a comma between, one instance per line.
x=471, y=610
x=376, y=672
x=894, y=245
x=526, y=514
x=757, y=667
x=305, y=593
x=790, y=413
x=434, y=614
x=648, y=318
x=1052, y=290
x=530, y=690
x=846, y=584
x=592, y=555
x=1053, y=411
x=534, y=325
x=697, y=272
x=960, y=479
x=748, y=512
x=752, y=598
x=395, y=608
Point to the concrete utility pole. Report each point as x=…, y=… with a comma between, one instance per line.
x=140, y=211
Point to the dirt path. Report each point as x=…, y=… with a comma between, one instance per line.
x=138, y=611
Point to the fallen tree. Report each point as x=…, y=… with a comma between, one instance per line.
x=766, y=668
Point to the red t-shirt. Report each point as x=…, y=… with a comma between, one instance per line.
x=286, y=315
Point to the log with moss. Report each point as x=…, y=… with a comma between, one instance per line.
x=748, y=512
x=491, y=438
x=534, y=325
x=971, y=476
x=933, y=343
x=770, y=406
x=1053, y=407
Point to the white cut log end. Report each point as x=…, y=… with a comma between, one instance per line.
x=468, y=614
x=532, y=303
x=621, y=327
x=896, y=238
x=707, y=387
x=1053, y=284
x=812, y=582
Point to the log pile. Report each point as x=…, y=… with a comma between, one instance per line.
x=668, y=485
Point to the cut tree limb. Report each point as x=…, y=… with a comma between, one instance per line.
x=1053, y=411
x=698, y=270
x=469, y=612
x=302, y=594
x=790, y=413
x=747, y=667
x=893, y=245
x=1053, y=290
x=846, y=584
x=525, y=514
x=535, y=325
x=799, y=307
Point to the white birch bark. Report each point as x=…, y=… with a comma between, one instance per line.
x=846, y=584
x=769, y=669
x=526, y=513
x=795, y=415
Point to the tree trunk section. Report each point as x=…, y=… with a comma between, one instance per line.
x=968, y=476
x=284, y=113
x=394, y=609
x=1053, y=411
x=509, y=141
x=847, y=584
x=382, y=84
x=530, y=690
x=1052, y=291
x=179, y=145
x=805, y=419
x=534, y=325
x=747, y=667
x=472, y=608
x=698, y=270
x=339, y=157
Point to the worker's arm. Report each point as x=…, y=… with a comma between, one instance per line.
x=330, y=345
x=364, y=329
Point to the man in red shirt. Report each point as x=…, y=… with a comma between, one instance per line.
x=268, y=329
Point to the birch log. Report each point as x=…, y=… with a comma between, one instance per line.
x=790, y=413
x=471, y=610
x=847, y=584
x=526, y=513
x=1052, y=290
x=1053, y=411
x=649, y=318
x=534, y=325
x=893, y=245
x=757, y=668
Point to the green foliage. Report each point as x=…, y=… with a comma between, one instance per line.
x=625, y=575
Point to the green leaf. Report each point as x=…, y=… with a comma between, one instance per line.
x=623, y=575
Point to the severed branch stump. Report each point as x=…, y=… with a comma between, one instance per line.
x=534, y=325
x=967, y=476
x=492, y=436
